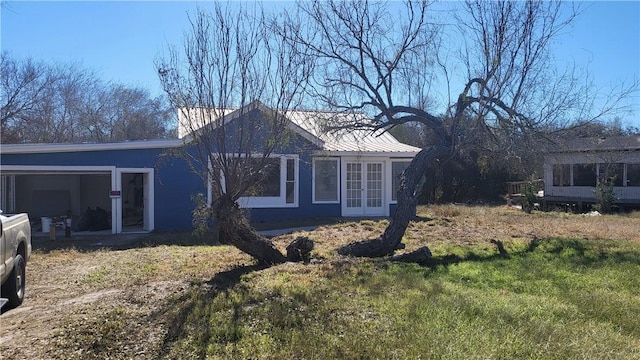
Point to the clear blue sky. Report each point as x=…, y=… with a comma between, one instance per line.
x=120, y=40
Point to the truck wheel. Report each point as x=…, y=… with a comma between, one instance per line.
x=13, y=288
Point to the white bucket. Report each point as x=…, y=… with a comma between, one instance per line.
x=46, y=223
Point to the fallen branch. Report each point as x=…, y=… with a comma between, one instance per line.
x=419, y=256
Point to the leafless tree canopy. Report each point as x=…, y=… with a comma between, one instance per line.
x=228, y=61
x=233, y=83
x=383, y=58
x=45, y=102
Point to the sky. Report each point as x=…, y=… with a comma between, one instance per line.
x=120, y=40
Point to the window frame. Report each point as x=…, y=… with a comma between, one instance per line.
x=564, y=176
x=628, y=182
x=313, y=180
x=578, y=172
x=394, y=196
x=257, y=202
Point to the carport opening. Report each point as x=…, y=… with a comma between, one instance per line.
x=55, y=197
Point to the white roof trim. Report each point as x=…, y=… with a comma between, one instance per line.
x=65, y=147
x=399, y=154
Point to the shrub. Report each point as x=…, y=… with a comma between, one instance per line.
x=605, y=197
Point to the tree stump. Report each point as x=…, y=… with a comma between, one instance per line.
x=300, y=249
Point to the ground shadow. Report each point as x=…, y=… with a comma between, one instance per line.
x=225, y=280
x=198, y=297
x=420, y=218
x=576, y=251
x=124, y=241
x=202, y=297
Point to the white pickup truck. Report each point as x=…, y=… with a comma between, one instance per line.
x=15, y=249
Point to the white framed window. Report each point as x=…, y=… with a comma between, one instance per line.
x=397, y=167
x=633, y=175
x=280, y=186
x=326, y=181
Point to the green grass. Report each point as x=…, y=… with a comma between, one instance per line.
x=562, y=299
x=566, y=286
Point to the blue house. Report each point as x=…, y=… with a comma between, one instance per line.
x=142, y=186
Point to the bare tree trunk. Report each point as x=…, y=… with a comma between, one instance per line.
x=406, y=210
x=234, y=229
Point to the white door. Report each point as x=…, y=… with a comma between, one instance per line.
x=145, y=200
x=363, y=191
x=135, y=205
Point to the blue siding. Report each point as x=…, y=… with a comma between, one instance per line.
x=175, y=187
x=305, y=209
x=118, y=158
x=292, y=144
x=174, y=183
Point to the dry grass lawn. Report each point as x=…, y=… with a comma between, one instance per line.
x=100, y=303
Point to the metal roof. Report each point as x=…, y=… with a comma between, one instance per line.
x=312, y=125
x=194, y=118
x=360, y=140
x=613, y=143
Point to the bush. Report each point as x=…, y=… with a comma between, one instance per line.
x=605, y=197
x=530, y=196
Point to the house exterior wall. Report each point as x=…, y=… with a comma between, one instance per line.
x=98, y=173
x=308, y=209
x=305, y=209
x=174, y=183
x=623, y=194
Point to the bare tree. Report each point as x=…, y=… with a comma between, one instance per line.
x=233, y=87
x=117, y=113
x=47, y=102
x=22, y=85
x=383, y=60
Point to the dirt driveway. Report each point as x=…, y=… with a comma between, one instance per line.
x=104, y=287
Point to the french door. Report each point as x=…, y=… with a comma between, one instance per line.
x=363, y=189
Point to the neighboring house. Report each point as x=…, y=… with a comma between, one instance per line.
x=144, y=187
x=573, y=169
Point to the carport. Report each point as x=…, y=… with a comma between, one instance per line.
x=140, y=186
x=122, y=195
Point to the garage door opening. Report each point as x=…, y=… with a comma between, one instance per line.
x=121, y=198
x=57, y=196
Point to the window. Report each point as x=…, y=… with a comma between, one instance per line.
x=290, y=182
x=612, y=171
x=633, y=174
x=325, y=180
x=270, y=185
x=374, y=185
x=397, y=167
x=354, y=185
x=561, y=175
x=279, y=188
x=584, y=175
